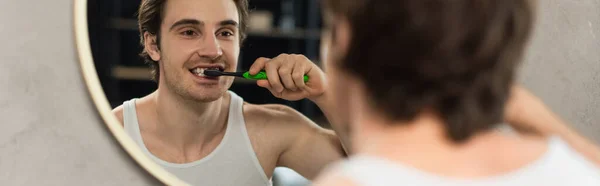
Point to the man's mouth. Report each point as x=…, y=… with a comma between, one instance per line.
x=198, y=71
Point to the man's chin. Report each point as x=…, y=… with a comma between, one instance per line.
x=207, y=95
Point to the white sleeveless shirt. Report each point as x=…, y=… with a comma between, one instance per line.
x=559, y=166
x=232, y=163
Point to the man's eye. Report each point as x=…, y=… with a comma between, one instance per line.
x=226, y=33
x=188, y=33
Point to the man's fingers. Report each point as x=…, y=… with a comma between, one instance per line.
x=265, y=84
x=285, y=74
x=258, y=65
x=298, y=75
x=272, y=68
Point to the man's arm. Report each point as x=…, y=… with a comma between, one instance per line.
x=340, y=131
x=290, y=86
x=309, y=148
x=528, y=114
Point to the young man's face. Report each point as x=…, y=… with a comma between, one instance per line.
x=198, y=34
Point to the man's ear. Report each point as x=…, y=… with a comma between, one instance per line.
x=151, y=46
x=340, y=37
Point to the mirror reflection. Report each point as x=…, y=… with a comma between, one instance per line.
x=153, y=58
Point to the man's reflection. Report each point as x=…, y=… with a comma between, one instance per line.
x=197, y=129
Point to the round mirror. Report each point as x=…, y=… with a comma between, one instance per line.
x=124, y=58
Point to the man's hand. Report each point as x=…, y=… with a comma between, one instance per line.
x=286, y=77
x=289, y=71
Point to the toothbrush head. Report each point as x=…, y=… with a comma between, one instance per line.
x=213, y=73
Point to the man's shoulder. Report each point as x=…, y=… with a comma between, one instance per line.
x=332, y=176
x=564, y=155
x=140, y=104
x=271, y=113
x=277, y=120
x=118, y=112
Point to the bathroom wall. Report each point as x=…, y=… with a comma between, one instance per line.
x=50, y=133
x=563, y=64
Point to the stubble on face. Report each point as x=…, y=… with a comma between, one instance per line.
x=176, y=81
x=178, y=53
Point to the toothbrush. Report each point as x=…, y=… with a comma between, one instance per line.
x=246, y=75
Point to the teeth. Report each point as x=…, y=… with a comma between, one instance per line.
x=198, y=71
x=214, y=68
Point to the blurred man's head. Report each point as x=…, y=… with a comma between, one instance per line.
x=454, y=59
x=182, y=36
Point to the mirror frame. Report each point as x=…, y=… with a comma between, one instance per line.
x=90, y=76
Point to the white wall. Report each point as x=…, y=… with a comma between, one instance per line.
x=49, y=131
x=563, y=65
x=51, y=135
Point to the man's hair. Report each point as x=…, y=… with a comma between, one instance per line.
x=456, y=58
x=150, y=17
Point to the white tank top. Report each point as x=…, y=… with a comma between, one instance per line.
x=559, y=166
x=233, y=162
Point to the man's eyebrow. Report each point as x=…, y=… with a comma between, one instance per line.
x=186, y=22
x=228, y=22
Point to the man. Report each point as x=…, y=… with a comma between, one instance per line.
x=201, y=132
x=423, y=83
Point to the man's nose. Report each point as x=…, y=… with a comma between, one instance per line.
x=210, y=48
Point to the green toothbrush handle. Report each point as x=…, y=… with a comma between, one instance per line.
x=263, y=75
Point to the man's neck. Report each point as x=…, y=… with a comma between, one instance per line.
x=377, y=135
x=423, y=144
x=186, y=122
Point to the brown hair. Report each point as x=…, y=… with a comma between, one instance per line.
x=151, y=14
x=456, y=58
